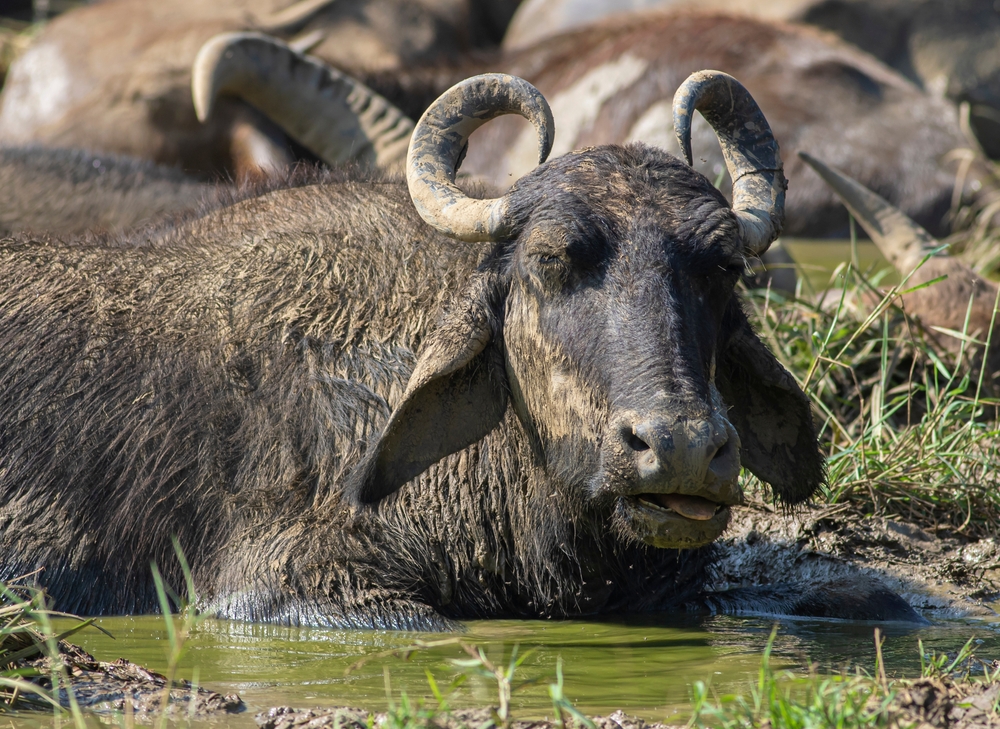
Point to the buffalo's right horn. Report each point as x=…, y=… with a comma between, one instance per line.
x=749, y=147
x=333, y=115
x=439, y=143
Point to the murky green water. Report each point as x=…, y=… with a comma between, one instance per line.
x=645, y=667
x=818, y=259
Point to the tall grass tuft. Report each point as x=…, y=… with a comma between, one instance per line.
x=910, y=429
x=785, y=701
x=178, y=631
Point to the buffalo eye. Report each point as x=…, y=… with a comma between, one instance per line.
x=552, y=271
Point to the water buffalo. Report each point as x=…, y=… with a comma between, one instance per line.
x=613, y=84
x=114, y=77
x=349, y=416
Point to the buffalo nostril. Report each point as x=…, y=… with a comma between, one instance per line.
x=636, y=443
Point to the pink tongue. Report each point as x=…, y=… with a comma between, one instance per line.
x=693, y=507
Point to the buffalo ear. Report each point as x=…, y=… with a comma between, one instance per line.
x=455, y=396
x=771, y=414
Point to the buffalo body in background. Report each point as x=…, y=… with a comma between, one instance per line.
x=114, y=77
x=948, y=47
x=66, y=192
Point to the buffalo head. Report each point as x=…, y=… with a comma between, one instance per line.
x=605, y=321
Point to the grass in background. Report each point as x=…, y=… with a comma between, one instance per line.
x=909, y=430
x=977, y=237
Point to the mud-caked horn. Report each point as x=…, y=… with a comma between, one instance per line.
x=333, y=115
x=438, y=147
x=750, y=150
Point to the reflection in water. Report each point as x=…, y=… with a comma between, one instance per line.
x=645, y=666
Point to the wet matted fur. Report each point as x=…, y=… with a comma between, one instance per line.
x=231, y=387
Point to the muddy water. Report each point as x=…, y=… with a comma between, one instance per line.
x=646, y=667
x=818, y=259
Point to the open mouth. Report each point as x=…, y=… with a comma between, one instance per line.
x=690, y=507
x=676, y=521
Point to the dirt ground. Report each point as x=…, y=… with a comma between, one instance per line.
x=940, y=576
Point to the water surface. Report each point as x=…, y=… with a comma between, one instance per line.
x=646, y=667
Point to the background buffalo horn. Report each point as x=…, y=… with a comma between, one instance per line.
x=904, y=243
x=962, y=301
x=749, y=147
x=333, y=115
x=295, y=14
x=438, y=146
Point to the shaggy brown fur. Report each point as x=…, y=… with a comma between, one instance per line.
x=231, y=389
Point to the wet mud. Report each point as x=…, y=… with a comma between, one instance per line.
x=284, y=717
x=123, y=687
x=942, y=576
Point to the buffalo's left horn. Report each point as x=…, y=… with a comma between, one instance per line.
x=438, y=146
x=749, y=147
x=328, y=112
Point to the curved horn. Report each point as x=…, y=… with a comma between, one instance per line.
x=904, y=243
x=295, y=14
x=438, y=147
x=330, y=113
x=749, y=147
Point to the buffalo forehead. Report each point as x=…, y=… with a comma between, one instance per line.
x=612, y=189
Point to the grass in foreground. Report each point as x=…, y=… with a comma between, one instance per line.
x=26, y=634
x=782, y=700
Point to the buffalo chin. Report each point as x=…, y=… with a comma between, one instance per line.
x=666, y=529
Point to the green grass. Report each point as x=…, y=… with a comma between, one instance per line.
x=909, y=430
x=785, y=701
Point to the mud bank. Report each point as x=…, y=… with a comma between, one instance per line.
x=940, y=575
x=285, y=717
x=124, y=687
x=921, y=704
